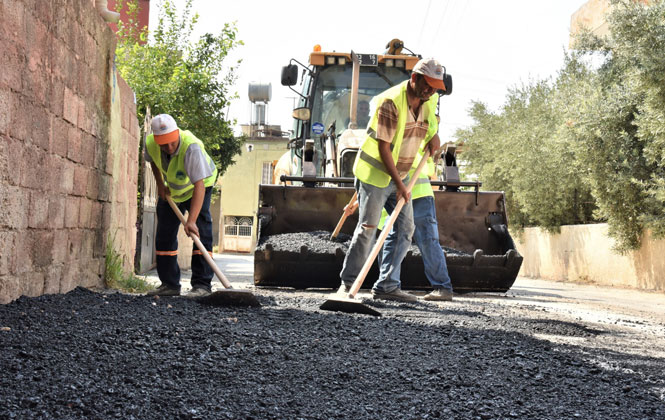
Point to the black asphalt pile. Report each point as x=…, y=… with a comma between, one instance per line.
x=88, y=355
x=318, y=242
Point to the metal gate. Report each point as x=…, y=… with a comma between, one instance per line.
x=147, y=223
x=238, y=233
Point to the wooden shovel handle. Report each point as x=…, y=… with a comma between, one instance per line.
x=222, y=278
x=386, y=229
x=343, y=218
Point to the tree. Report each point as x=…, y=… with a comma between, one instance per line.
x=487, y=153
x=621, y=126
x=170, y=74
x=592, y=140
x=523, y=151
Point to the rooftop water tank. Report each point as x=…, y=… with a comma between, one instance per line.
x=260, y=92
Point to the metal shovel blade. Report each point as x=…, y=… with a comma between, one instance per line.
x=230, y=297
x=348, y=305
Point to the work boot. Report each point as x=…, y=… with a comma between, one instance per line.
x=198, y=292
x=343, y=290
x=439, y=295
x=396, y=294
x=164, y=290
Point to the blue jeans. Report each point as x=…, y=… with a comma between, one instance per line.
x=426, y=237
x=167, y=240
x=371, y=201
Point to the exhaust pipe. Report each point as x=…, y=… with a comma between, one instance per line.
x=109, y=16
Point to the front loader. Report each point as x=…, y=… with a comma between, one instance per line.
x=297, y=216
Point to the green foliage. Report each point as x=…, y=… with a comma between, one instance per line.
x=487, y=152
x=608, y=149
x=523, y=151
x=190, y=81
x=622, y=129
x=115, y=275
x=590, y=144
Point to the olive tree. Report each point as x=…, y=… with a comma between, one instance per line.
x=620, y=126
x=523, y=150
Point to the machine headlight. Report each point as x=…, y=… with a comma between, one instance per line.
x=390, y=62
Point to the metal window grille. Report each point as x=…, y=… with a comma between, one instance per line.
x=238, y=226
x=266, y=173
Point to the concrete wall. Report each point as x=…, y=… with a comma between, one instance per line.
x=68, y=145
x=584, y=253
x=216, y=211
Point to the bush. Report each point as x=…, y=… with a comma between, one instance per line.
x=117, y=278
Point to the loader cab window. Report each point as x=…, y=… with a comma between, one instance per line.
x=331, y=100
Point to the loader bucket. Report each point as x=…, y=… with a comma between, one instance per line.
x=294, y=250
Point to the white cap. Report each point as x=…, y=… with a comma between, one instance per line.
x=433, y=72
x=164, y=129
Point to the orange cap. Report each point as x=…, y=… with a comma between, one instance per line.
x=167, y=138
x=164, y=129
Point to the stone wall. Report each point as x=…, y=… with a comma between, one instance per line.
x=68, y=146
x=583, y=253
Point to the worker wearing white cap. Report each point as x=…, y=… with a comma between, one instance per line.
x=403, y=120
x=183, y=170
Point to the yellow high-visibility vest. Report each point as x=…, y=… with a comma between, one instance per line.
x=176, y=178
x=368, y=166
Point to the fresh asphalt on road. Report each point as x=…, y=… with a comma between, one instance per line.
x=587, y=302
x=543, y=350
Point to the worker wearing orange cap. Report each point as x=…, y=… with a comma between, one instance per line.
x=183, y=170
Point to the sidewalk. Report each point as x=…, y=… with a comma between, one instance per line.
x=238, y=268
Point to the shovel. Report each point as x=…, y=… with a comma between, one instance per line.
x=343, y=218
x=229, y=296
x=349, y=303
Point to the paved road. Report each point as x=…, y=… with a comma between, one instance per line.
x=238, y=268
x=638, y=315
x=582, y=301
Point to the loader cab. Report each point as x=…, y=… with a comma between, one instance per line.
x=331, y=92
x=326, y=89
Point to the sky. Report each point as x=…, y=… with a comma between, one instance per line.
x=488, y=46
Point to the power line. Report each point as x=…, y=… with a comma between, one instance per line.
x=422, y=27
x=443, y=16
x=461, y=15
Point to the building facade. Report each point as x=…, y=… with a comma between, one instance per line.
x=240, y=187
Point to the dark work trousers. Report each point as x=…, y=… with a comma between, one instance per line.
x=167, y=243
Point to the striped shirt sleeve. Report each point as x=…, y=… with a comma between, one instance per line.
x=387, y=121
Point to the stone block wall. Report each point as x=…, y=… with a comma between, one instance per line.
x=123, y=164
x=68, y=146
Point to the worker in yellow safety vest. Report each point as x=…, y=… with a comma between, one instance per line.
x=183, y=170
x=402, y=121
x=426, y=235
